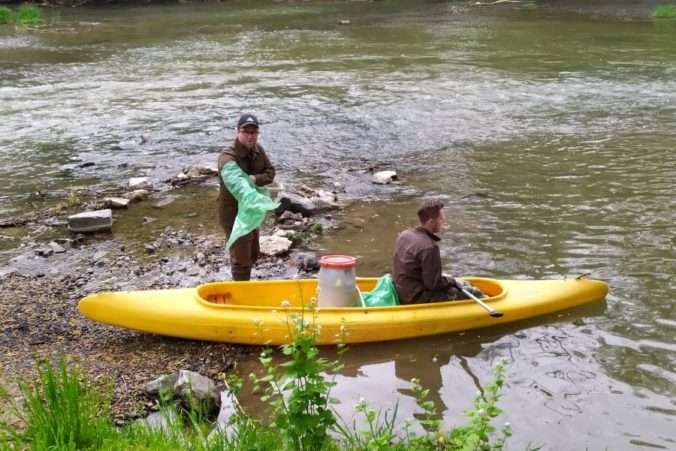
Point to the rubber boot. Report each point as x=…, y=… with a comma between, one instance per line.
x=240, y=274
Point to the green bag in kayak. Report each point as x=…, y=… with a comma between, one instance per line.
x=253, y=202
x=383, y=294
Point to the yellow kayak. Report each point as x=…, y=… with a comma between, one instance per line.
x=255, y=312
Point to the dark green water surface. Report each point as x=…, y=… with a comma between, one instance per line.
x=550, y=134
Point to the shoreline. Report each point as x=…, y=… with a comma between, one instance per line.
x=39, y=296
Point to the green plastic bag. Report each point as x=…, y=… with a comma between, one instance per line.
x=383, y=294
x=253, y=202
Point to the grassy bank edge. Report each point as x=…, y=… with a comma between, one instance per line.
x=61, y=408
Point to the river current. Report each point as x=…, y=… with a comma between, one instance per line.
x=549, y=133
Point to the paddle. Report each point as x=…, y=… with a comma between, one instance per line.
x=494, y=313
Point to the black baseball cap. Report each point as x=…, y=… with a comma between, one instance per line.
x=247, y=119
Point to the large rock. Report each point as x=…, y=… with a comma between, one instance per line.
x=193, y=390
x=197, y=392
x=162, y=386
x=274, y=245
x=91, y=221
x=384, y=177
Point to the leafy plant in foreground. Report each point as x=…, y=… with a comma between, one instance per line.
x=477, y=433
x=300, y=394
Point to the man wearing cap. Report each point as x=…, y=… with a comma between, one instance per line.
x=251, y=158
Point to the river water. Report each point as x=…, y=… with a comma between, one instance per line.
x=550, y=134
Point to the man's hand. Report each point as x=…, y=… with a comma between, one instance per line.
x=458, y=281
x=253, y=178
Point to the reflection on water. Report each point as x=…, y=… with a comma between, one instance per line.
x=549, y=134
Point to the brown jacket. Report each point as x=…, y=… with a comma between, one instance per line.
x=417, y=271
x=253, y=162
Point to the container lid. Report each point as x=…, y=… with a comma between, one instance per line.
x=337, y=261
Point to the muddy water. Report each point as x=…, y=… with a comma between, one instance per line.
x=549, y=133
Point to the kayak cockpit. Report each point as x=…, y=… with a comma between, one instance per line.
x=298, y=293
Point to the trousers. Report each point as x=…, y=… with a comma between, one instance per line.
x=243, y=255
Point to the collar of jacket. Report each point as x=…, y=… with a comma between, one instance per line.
x=430, y=234
x=243, y=152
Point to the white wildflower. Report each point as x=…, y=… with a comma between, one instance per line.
x=257, y=321
x=507, y=424
x=286, y=304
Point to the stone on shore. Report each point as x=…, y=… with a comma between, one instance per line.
x=161, y=386
x=140, y=183
x=56, y=247
x=197, y=392
x=164, y=202
x=137, y=195
x=91, y=221
x=202, y=169
x=274, y=245
x=299, y=204
x=116, y=202
x=384, y=177
x=7, y=270
x=193, y=390
x=307, y=261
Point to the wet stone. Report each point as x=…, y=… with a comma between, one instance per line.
x=56, y=247
x=137, y=195
x=164, y=202
x=44, y=251
x=116, y=202
x=192, y=272
x=384, y=177
x=98, y=256
x=140, y=183
x=91, y=221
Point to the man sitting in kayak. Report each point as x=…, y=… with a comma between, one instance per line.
x=417, y=273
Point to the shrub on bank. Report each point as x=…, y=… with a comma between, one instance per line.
x=665, y=12
x=63, y=410
x=25, y=15
x=5, y=15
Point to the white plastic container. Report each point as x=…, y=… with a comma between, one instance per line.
x=337, y=281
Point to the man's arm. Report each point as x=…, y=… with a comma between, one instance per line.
x=267, y=175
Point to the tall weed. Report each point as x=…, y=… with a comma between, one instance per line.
x=61, y=409
x=297, y=389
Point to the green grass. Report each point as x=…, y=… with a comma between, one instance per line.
x=61, y=409
x=665, y=12
x=28, y=15
x=5, y=15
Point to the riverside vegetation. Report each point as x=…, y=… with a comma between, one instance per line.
x=665, y=12
x=26, y=15
x=62, y=409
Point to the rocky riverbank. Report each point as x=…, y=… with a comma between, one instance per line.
x=51, y=271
